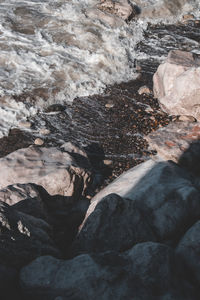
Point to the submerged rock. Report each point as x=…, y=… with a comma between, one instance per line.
x=147, y=271
x=57, y=171
x=177, y=84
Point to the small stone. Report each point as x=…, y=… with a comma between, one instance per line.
x=25, y=124
x=187, y=17
x=107, y=162
x=109, y=105
x=44, y=131
x=38, y=142
x=144, y=90
x=185, y=118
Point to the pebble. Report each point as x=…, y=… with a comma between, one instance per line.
x=144, y=90
x=107, y=162
x=44, y=131
x=109, y=105
x=25, y=124
x=184, y=118
x=38, y=142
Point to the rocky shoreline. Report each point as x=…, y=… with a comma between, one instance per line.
x=138, y=238
x=100, y=199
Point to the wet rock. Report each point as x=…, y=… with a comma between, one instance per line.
x=116, y=224
x=144, y=90
x=147, y=271
x=58, y=172
x=38, y=142
x=122, y=9
x=159, y=189
x=44, y=131
x=189, y=250
x=176, y=84
x=23, y=237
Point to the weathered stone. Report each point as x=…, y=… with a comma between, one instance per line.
x=144, y=90
x=164, y=194
x=23, y=237
x=178, y=142
x=189, y=250
x=38, y=142
x=147, y=271
x=57, y=171
x=116, y=224
x=177, y=84
x=122, y=9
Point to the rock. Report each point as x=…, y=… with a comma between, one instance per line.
x=144, y=90
x=23, y=237
x=187, y=17
x=122, y=9
x=38, y=142
x=147, y=271
x=44, y=131
x=116, y=224
x=107, y=18
x=109, y=105
x=25, y=124
x=176, y=84
x=107, y=162
x=8, y=282
x=25, y=198
x=58, y=172
x=189, y=250
x=175, y=141
x=185, y=118
x=159, y=189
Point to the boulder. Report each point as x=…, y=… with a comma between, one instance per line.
x=116, y=224
x=189, y=250
x=177, y=84
x=147, y=271
x=61, y=212
x=23, y=237
x=163, y=193
x=57, y=171
x=178, y=142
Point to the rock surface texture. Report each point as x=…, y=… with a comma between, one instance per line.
x=57, y=171
x=146, y=271
x=177, y=84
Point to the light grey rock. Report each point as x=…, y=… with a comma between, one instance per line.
x=58, y=172
x=116, y=224
x=164, y=194
x=148, y=271
x=177, y=84
x=189, y=250
x=23, y=237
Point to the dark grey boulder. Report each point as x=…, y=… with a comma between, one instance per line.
x=146, y=272
x=166, y=203
x=23, y=237
x=189, y=250
x=116, y=224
